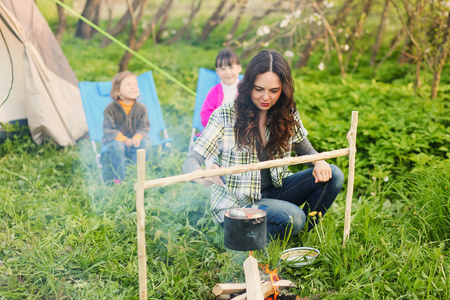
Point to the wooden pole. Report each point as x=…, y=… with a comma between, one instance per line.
x=245, y=168
x=351, y=137
x=140, y=211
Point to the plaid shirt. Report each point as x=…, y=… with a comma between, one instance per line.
x=218, y=140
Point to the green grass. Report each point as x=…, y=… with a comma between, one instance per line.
x=65, y=235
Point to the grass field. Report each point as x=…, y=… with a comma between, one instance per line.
x=66, y=235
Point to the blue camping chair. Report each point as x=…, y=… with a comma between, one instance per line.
x=96, y=96
x=207, y=79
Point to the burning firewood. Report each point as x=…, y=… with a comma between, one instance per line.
x=252, y=279
x=225, y=290
x=237, y=288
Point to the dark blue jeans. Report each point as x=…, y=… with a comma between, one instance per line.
x=121, y=155
x=297, y=189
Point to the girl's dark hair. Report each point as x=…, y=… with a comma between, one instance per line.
x=281, y=122
x=227, y=57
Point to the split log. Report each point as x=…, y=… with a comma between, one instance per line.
x=228, y=288
x=252, y=279
x=267, y=289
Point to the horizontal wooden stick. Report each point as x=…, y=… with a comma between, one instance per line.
x=244, y=168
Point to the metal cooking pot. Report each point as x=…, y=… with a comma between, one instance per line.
x=245, y=229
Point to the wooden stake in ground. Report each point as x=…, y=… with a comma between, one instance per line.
x=351, y=137
x=140, y=211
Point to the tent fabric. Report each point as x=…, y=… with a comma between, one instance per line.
x=44, y=83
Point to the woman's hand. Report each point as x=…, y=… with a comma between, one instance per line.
x=321, y=171
x=209, y=180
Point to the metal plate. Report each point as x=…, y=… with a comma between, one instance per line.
x=293, y=260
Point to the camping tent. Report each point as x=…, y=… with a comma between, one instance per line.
x=41, y=85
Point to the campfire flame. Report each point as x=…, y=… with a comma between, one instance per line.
x=273, y=278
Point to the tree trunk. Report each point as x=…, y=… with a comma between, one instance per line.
x=333, y=37
x=121, y=25
x=215, y=19
x=255, y=20
x=357, y=30
x=240, y=13
x=136, y=45
x=91, y=12
x=195, y=7
x=109, y=8
x=343, y=12
x=441, y=57
x=376, y=47
x=162, y=26
x=61, y=23
x=162, y=11
x=305, y=54
x=123, y=64
x=417, y=82
x=407, y=45
x=249, y=50
x=395, y=44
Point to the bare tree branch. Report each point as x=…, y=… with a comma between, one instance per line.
x=215, y=19
x=195, y=7
x=333, y=37
x=377, y=45
x=121, y=25
x=61, y=23
x=123, y=64
x=240, y=13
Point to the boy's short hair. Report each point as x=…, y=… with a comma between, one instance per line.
x=116, y=81
x=227, y=57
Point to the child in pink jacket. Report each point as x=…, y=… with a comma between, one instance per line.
x=228, y=68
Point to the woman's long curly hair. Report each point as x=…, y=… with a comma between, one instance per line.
x=281, y=120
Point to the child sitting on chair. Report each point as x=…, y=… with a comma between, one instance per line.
x=228, y=68
x=126, y=125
